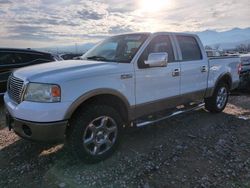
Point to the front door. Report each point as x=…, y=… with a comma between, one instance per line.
x=157, y=87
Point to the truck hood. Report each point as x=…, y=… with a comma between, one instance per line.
x=67, y=70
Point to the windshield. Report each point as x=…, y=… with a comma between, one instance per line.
x=121, y=48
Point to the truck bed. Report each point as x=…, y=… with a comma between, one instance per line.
x=228, y=64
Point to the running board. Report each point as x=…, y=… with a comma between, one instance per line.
x=145, y=123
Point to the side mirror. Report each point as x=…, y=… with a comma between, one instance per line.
x=157, y=59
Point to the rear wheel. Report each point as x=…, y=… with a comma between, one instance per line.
x=95, y=134
x=218, y=101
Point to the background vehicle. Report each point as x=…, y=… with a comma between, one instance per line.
x=213, y=53
x=245, y=72
x=70, y=56
x=11, y=59
x=118, y=83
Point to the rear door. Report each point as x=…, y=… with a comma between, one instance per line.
x=194, y=68
x=157, y=87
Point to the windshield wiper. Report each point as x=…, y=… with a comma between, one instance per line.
x=98, y=58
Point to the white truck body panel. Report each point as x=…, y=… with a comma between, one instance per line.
x=221, y=66
x=37, y=112
x=156, y=83
x=77, y=78
x=193, y=78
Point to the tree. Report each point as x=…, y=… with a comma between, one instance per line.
x=208, y=47
x=242, y=48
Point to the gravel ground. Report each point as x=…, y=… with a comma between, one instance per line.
x=198, y=149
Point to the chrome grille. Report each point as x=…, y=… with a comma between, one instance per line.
x=15, y=86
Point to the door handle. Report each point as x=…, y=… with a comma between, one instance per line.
x=204, y=68
x=176, y=72
x=126, y=76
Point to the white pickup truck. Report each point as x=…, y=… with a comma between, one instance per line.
x=132, y=79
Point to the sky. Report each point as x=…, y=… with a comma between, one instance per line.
x=43, y=23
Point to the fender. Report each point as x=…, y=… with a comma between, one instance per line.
x=93, y=93
x=210, y=91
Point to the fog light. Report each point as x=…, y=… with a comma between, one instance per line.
x=27, y=130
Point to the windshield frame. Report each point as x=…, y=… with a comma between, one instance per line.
x=90, y=56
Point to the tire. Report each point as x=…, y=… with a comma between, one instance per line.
x=95, y=133
x=219, y=99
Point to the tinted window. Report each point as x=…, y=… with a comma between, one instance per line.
x=30, y=58
x=22, y=58
x=160, y=43
x=189, y=48
x=245, y=60
x=6, y=58
x=132, y=47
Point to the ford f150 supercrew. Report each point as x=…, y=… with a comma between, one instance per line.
x=132, y=79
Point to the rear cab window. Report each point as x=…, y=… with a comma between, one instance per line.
x=189, y=47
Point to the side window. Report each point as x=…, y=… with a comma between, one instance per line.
x=30, y=58
x=9, y=58
x=18, y=58
x=132, y=47
x=6, y=58
x=189, y=48
x=160, y=43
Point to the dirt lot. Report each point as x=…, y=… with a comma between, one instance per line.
x=197, y=149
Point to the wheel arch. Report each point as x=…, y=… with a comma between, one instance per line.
x=224, y=77
x=103, y=96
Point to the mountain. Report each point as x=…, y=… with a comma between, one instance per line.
x=82, y=48
x=232, y=45
x=226, y=39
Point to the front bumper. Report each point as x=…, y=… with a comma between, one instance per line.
x=45, y=132
x=37, y=112
x=37, y=121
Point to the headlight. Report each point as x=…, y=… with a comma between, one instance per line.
x=37, y=92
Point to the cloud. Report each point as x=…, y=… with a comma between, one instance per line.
x=46, y=21
x=30, y=37
x=90, y=15
x=78, y=21
x=121, y=6
x=5, y=2
x=91, y=10
x=37, y=33
x=119, y=29
x=25, y=29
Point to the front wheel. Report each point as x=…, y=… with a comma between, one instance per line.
x=95, y=134
x=218, y=101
